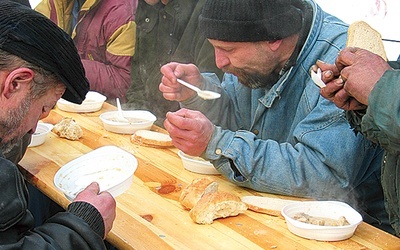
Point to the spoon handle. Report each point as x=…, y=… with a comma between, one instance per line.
x=190, y=86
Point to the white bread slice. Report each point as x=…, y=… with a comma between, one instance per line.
x=192, y=193
x=360, y=34
x=151, y=139
x=216, y=205
x=266, y=205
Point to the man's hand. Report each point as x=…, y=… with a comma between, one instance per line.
x=103, y=202
x=351, y=79
x=174, y=91
x=190, y=130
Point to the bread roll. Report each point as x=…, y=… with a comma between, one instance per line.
x=266, y=205
x=216, y=205
x=68, y=128
x=361, y=35
x=192, y=193
x=151, y=139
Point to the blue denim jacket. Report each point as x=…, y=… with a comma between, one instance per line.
x=289, y=140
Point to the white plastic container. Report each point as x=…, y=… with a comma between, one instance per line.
x=39, y=137
x=327, y=209
x=93, y=102
x=197, y=164
x=138, y=120
x=110, y=166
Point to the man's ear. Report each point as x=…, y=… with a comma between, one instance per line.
x=274, y=45
x=18, y=80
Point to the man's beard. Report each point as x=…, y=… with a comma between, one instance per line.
x=13, y=122
x=255, y=80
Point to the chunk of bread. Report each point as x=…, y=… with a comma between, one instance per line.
x=362, y=35
x=151, y=139
x=68, y=128
x=266, y=205
x=192, y=193
x=216, y=205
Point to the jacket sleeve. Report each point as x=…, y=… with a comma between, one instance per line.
x=67, y=230
x=113, y=76
x=381, y=123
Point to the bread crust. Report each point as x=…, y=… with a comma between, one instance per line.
x=151, y=139
x=68, y=128
x=266, y=205
x=360, y=34
x=216, y=205
x=192, y=193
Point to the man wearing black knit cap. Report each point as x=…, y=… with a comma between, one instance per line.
x=38, y=65
x=271, y=131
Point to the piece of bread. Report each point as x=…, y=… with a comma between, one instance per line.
x=360, y=34
x=216, y=205
x=192, y=193
x=151, y=139
x=68, y=128
x=266, y=205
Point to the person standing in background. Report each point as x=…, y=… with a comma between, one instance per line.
x=104, y=34
x=166, y=31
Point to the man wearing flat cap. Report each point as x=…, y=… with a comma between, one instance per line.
x=38, y=65
x=271, y=131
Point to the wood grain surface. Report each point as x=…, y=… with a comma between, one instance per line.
x=149, y=215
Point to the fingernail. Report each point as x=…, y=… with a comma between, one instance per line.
x=320, y=61
x=328, y=73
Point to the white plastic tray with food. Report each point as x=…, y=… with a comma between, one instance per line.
x=110, y=166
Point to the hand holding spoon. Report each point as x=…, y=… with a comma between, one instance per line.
x=205, y=94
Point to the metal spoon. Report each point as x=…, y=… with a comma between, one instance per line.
x=205, y=94
x=120, y=117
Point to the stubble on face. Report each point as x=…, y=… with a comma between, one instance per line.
x=11, y=127
x=254, y=80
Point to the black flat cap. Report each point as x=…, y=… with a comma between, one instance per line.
x=36, y=39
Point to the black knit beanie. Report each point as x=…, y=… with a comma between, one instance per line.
x=249, y=20
x=36, y=39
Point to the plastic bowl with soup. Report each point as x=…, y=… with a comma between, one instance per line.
x=309, y=219
x=137, y=120
x=39, y=137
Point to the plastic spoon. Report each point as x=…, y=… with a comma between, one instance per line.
x=205, y=94
x=120, y=117
x=316, y=77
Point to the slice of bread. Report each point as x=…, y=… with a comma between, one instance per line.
x=266, y=205
x=216, y=205
x=192, y=193
x=151, y=139
x=360, y=34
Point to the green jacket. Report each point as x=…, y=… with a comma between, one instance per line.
x=165, y=33
x=381, y=124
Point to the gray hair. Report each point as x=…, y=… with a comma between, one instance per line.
x=43, y=79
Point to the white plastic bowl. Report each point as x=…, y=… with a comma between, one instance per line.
x=139, y=120
x=197, y=164
x=327, y=209
x=93, y=102
x=39, y=137
x=110, y=166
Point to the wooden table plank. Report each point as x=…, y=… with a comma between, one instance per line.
x=149, y=215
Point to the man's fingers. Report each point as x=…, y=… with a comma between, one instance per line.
x=346, y=57
x=94, y=187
